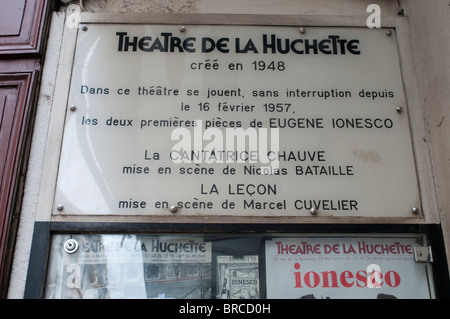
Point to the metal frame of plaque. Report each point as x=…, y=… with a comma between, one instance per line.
x=331, y=99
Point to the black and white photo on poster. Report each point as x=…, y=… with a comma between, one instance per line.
x=238, y=278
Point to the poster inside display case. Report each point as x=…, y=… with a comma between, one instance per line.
x=129, y=266
x=346, y=268
x=232, y=266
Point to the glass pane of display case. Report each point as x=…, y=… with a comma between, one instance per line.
x=233, y=266
x=129, y=266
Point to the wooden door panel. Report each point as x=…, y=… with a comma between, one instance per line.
x=8, y=99
x=11, y=17
x=21, y=26
x=15, y=117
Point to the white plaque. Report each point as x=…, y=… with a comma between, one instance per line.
x=158, y=114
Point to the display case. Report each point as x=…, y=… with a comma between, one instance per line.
x=236, y=266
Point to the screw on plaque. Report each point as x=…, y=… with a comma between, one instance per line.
x=389, y=32
x=415, y=210
x=73, y=108
x=60, y=207
x=313, y=211
x=399, y=109
x=182, y=28
x=70, y=246
x=173, y=209
x=302, y=30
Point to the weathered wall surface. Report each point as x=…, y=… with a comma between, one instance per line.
x=302, y=7
x=430, y=42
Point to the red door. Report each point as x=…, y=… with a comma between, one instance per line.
x=13, y=90
x=22, y=38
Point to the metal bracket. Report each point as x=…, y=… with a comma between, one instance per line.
x=423, y=254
